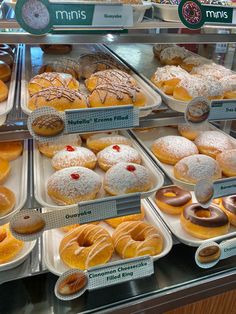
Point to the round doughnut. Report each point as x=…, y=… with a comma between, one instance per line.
x=73, y=283
x=191, y=132
x=173, y=55
x=209, y=254
x=204, y=223
x=114, y=154
x=124, y=178
x=5, y=169
x=7, y=201
x=5, y=71
x=229, y=88
x=172, y=199
x=3, y=91
x=212, y=143
x=114, y=222
x=227, y=162
x=9, y=246
x=73, y=156
x=193, y=61
x=6, y=57
x=73, y=185
x=86, y=246
x=228, y=204
x=194, y=168
x=48, y=125
x=29, y=223
x=157, y=49
x=7, y=48
x=137, y=238
x=171, y=148
x=10, y=150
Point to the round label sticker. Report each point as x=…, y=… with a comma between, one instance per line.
x=197, y=111
x=191, y=14
x=204, y=192
x=208, y=255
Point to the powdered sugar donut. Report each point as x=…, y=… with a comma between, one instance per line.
x=173, y=55
x=124, y=178
x=229, y=86
x=191, y=131
x=193, y=61
x=114, y=154
x=212, y=143
x=157, y=49
x=213, y=70
x=100, y=141
x=72, y=156
x=170, y=149
x=227, y=162
x=72, y=185
x=194, y=168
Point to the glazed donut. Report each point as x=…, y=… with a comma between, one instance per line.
x=124, y=178
x=72, y=283
x=7, y=48
x=29, y=223
x=194, y=168
x=229, y=88
x=3, y=91
x=228, y=204
x=73, y=156
x=5, y=71
x=193, y=61
x=137, y=238
x=73, y=185
x=115, y=222
x=114, y=154
x=212, y=70
x=10, y=150
x=7, y=201
x=172, y=200
x=173, y=55
x=227, y=162
x=172, y=148
x=191, y=131
x=6, y=57
x=157, y=49
x=209, y=254
x=5, y=169
x=9, y=246
x=204, y=223
x=86, y=246
x=212, y=143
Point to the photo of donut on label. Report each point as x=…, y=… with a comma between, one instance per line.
x=208, y=254
x=197, y=111
x=204, y=192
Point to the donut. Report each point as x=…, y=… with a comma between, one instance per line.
x=204, y=223
x=49, y=149
x=56, y=49
x=172, y=199
x=209, y=254
x=157, y=49
x=63, y=65
x=229, y=88
x=28, y=223
x=137, y=238
x=173, y=55
x=192, y=12
x=193, y=61
x=10, y=150
x=72, y=283
x=73, y=185
x=7, y=200
x=3, y=91
x=100, y=141
x=124, y=178
x=194, y=168
x=5, y=169
x=6, y=57
x=191, y=131
x=227, y=162
x=212, y=143
x=114, y=154
x=5, y=71
x=172, y=148
x=212, y=70
x=7, y=48
x=48, y=125
x=9, y=246
x=228, y=204
x=115, y=222
x=73, y=156
x=86, y=246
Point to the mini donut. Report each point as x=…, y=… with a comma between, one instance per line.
x=229, y=86
x=157, y=49
x=29, y=223
x=124, y=178
x=228, y=204
x=73, y=156
x=115, y=222
x=172, y=199
x=114, y=154
x=173, y=55
x=212, y=143
x=212, y=70
x=193, y=61
x=72, y=283
x=10, y=150
x=5, y=71
x=9, y=246
x=100, y=141
x=7, y=200
x=137, y=238
x=194, y=168
x=191, y=131
x=3, y=91
x=7, y=48
x=86, y=246
x=5, y=169
x=227, y=162
x=73, y=185
x=6, y=57
x=172, y=148
x=204, y=223
x=209, y=254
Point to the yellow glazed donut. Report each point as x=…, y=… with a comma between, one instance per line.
x=137, y=238
x=227, y=162
x=86, y=246
x=114, y=222
x=10, y=150
x=7, y=200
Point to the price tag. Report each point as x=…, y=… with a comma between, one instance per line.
x=223, y=110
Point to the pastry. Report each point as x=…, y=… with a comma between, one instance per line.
x=115, y=222
x=28, y=224
x=6, y=57
x=212, y=143
x=157, y=49
x=229, y=86
x=124, y=178
x=7, y=48
x=137, y=238
x=173, y=55
x=172, y=199
x=10, y=150
x=5, y=71
x=56, y=49
x=73, y=283
x=3, y=91
x=4, y=170
x=86, y=246
x=60, y=99
x=209, y=254
x=194, y=168
x=7, y=200
x=63, y=65
x=73, y=185
x=191, y=132
x=212, y=70
x=73, y=156
x=172, y=148
x=204, y=223
x=193, y=61
x=228, y=204
x=114, y=154
x=227, y=162
x=48, y=125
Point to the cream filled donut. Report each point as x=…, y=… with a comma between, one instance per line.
x=213, y=70
x=194, y=168
x=157, y=49
x=173, y=55
x=193, y=61
x=73, y=156
x=124, y=178
x=229, y=86
x=227, y=162
x=72, y=185
x=171, y=148
x=114, y=154
x=191, y=131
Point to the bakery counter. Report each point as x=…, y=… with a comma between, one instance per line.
x=177, y=281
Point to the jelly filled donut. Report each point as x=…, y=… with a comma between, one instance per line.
x=172, y=199
x=229, y=207
x=204, y=223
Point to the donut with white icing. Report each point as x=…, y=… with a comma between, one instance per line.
x=213, y=70
x=173, y=55
x=229, y=86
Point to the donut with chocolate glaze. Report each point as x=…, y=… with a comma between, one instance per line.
x=228, y=204
x=172, y=199
x=204, y=223
x=209, y=254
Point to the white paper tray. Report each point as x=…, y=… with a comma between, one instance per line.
x=52, y=239
x=34, y=58
x=43, y=170
x=166, y=12
x=17, y=182
x=173, y=223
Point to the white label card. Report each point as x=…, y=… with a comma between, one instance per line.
x=223, y=110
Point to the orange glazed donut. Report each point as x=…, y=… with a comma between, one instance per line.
x=5, y=169
x=114, y=222
x=86, y=246
x=7, y=201
x=10, y=150
x=137, y=238
x=171, y=148
x=227, y=162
